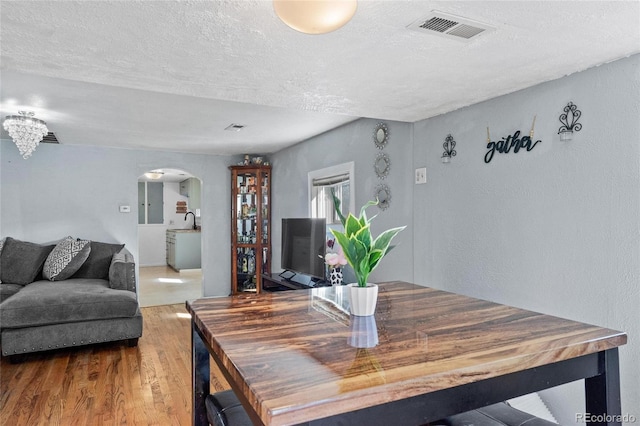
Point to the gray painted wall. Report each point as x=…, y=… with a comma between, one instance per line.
x=554, y=230
x=351, y=142
x=76, y=190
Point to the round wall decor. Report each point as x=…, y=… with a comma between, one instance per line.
x=381, y=135
x=382, y=193
x=382, y=165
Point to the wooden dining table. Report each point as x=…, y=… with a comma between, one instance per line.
x=298, y=357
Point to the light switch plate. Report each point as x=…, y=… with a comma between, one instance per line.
x=421, y=176
x=125, y=209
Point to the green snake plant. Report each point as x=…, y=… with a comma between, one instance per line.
x=362, y=252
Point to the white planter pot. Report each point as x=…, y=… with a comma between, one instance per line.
x=362, y=300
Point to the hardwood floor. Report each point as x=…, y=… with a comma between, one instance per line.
x=110, y=383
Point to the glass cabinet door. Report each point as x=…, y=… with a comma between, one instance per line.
x=265, y=207
x=266, y=261
x=246, y=210
x=251, y=228
x=246, y=269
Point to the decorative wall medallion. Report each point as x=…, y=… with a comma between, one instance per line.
x=449, y=151
x=382, y=165
x=381, y=135
x=569, y=122
x=382, y=193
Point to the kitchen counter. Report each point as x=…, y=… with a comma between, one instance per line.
x=184, y=248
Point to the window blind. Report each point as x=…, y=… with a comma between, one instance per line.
x=330, y=180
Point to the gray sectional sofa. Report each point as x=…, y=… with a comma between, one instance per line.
x=53, y=298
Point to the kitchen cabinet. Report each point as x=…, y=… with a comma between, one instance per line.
x=150, y=203
x=191, y=188
x=184, y=249
x=250, y=227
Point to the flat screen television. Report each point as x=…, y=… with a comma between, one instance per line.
x=303, y=246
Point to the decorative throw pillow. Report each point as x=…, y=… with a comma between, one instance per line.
x=22, y=261
x=99, y=260
x=65, y=259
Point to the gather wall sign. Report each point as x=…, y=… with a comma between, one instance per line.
x=511, y=143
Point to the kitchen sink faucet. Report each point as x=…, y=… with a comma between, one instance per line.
x=194, y=219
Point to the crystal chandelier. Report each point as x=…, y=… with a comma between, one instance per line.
x=26, y=131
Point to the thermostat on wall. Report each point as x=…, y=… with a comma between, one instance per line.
x=125, y=209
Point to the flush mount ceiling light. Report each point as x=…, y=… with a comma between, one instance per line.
x=26, y=131
x=315, y=16
x=154, y=174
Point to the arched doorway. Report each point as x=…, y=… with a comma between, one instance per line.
x=169, y=238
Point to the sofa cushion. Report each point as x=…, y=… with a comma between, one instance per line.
x=122, y=272
x=72, y=300
x=65, y=259
x=99, y=260
x=7, y=290
x=1, y=245
x=22, y=261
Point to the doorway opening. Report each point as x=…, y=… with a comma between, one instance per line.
x=169, y=237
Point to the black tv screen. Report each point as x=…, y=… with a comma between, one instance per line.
x=303, y=246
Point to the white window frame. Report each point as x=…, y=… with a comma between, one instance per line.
x=344, y=168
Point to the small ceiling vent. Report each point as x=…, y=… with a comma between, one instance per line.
x=450, y=26
x=50, y=138
x=233, y=127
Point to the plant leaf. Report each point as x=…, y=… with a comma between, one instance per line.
x=352, y=226
x=363, y=214
x=384, y=239
x=374, y=258
x=336, y=206
x=347, y=248
x=366, y=206
x=360, y=250
x=389, y=249
x=364, y=236
x=363, y=276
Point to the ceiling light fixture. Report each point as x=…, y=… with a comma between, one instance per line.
x=315, y=16
x=154, y=174
x=26, y=131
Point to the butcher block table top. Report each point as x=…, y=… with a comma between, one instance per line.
x=296, y=356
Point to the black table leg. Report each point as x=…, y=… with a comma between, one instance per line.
x=603, y=391
x=201, y=375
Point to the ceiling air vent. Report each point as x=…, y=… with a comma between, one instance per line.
x=233, y=127
x=450, y=26
x=50, y=138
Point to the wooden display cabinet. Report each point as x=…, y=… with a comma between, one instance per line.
x=250, y=227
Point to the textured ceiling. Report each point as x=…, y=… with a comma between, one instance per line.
x=173, y=74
